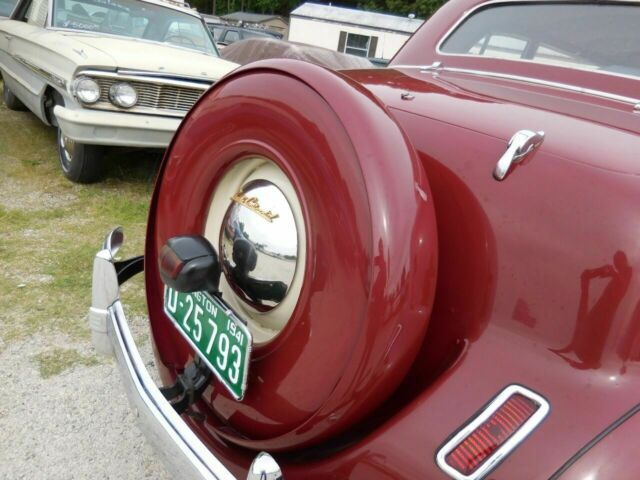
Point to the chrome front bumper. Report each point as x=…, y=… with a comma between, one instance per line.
x=185, y=456
x=99, y=127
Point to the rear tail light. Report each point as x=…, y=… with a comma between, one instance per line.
x=479, y=446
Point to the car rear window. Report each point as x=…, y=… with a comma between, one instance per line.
x=254, y=34
x=596, y=36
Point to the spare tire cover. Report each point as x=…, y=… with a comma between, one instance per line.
x=370, y=248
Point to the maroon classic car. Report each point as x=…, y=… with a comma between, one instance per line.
x=428, y=271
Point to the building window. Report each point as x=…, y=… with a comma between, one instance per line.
x=359, y=45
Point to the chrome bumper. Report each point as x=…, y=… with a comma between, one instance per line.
x=181, y=450
x=100, y=127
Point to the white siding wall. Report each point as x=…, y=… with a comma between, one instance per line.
x=327, y=35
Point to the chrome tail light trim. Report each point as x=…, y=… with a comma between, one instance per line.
x=507, y=447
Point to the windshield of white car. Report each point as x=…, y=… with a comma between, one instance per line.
x=134, y=19
x=592, y=36
x=6, y=7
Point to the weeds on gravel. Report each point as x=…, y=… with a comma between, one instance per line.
x=50, y=230
x=60, y=359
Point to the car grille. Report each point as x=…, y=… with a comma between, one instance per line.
x=153, y=95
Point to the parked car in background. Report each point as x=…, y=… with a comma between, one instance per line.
x=262, y=48
x=116, y=73
x=426, y=271
x=6, y=7
x=225, y=35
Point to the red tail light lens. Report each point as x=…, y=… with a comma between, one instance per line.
x=489, y=437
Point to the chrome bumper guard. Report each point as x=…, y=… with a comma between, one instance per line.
x=185, y=456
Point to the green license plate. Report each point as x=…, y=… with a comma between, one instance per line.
x=221, y=339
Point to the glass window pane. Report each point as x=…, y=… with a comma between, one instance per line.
x=602, y=36
x=502, y=46
x=355, y=51
x=357, y=41
x=231, y=36
x=6, y=7
x=131, y=18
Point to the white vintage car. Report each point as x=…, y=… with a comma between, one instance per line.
x=106, y=72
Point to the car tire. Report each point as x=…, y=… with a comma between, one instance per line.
x=11, y=101
x=368, y=278
x=79, y=162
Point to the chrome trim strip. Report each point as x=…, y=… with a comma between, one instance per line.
x=41, y=71
x=49, y=19
x=507, y=447
x=139, y=76
x=466, y=14
x=108, y=107
x=560, y=85
x=145, y=74
x=519, y=78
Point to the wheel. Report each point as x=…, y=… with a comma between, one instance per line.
x=10, y=100
x=328, y=194
x=80, y=163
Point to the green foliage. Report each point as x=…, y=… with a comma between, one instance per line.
x=421, y=8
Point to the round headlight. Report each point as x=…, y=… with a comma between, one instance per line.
x=86, y=90
x=123, y=95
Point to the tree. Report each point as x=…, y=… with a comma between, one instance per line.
x=421, y=8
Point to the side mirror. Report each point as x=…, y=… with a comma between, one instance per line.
x=189, y=263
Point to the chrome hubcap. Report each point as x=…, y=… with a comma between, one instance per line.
x=259, y=245
x=255, y=219
x=67, y=146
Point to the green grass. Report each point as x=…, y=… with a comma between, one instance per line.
x=50, y=230
x=58, y=360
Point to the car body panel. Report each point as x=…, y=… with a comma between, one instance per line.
x=535, y=257
x=19, y=59
x=522, y=307
x=152, y=57
x=531, y=287
x=537, y=274
x=614, y=455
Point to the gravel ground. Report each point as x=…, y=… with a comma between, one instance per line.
x=63, y=410
x=74, y=425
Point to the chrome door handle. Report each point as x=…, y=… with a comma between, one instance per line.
x=521, y=144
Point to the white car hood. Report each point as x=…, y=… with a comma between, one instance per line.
x=154, y=57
